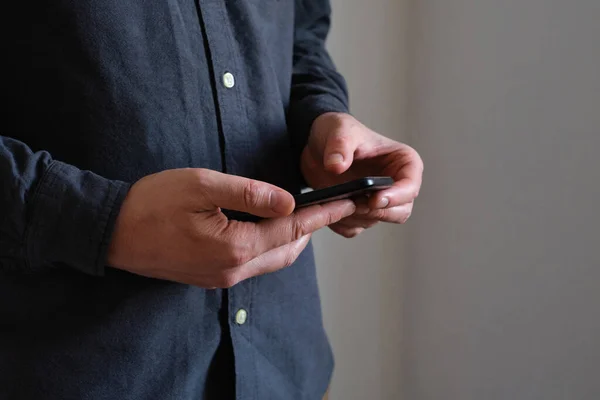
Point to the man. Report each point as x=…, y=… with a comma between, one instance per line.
x=130, y=131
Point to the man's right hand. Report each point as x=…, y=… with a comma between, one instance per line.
x=171, y=227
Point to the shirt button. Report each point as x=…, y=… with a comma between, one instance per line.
x=240, y=316
x=228, y=80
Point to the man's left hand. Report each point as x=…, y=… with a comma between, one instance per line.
x=341, y=149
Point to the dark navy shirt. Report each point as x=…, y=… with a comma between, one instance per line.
x=98, y=93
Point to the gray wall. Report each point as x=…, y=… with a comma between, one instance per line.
x=360, y=279
x=502, y=284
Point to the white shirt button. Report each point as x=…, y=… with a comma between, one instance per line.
x=228, y=80
x=241, y=316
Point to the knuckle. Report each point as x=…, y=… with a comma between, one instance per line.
x=228, y=280
x=237, y=255
x=241, y=257
x=405, y=218
x=341, y=139
x=333, y=217
x=201, y=178
x=351, y=233
x=420, y=161
x=290, y=257
x=328, y=219
x=414, y=155
x=412, y=151
x=378, y=214
x=238, y=243
x=200, y=174
x=293, y=253
x=251, y=195
x=346, y=123
x=405, y=215
x=370, y=224
x=299, y=229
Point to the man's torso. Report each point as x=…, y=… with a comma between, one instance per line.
x=129, y=88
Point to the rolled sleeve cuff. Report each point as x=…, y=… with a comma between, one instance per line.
x=72, y=219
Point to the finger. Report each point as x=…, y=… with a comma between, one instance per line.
x=407, y=184
x=346, y=232
x=357, y=221
x=362, y=205
x=339, y=150
x=274, y=259
x=273, y=233
x=396, y=215
x=270, y=261
x=243, y=194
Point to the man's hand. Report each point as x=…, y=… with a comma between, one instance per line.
x=341, y=149
x=171, y=227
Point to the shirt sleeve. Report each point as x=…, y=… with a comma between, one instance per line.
x=53, y=212
x=317, y=87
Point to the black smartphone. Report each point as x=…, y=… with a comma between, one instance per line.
x=346, y=190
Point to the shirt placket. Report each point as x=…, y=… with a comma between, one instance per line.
x=226, y=70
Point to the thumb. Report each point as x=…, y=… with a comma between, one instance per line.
x=339, y=151
x=245, y=195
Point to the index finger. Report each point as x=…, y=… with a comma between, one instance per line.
x=273, y=233
x=245, y=195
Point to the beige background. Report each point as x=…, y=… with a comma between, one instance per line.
x=361, y=278
x=493, y=289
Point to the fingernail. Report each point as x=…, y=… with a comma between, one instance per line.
x=383, y=202
x=362, y=209
x=278, y=202
x=335, y=158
